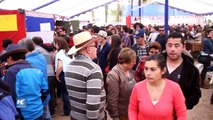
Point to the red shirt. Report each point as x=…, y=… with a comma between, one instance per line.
x=139, y=72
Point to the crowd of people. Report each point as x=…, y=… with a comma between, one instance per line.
x=98, y=72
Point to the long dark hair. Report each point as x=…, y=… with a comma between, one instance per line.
x=115, y=44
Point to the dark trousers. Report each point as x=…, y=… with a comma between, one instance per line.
x=64, y=94
x=206, y=64
x=52, y=102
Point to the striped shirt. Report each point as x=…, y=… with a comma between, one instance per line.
x=85, y=85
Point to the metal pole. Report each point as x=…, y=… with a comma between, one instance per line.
x=166, y=18
x=131, y=7
x=139, y=4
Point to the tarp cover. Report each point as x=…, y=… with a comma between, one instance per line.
x=197, y=7
x=69, y=8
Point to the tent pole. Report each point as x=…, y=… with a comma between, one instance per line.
x=42, y=6
x=166, y=18
x=131, y=7
x=139, y=4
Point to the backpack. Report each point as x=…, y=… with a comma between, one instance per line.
x=7, y=107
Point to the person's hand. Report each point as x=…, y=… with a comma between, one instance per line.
x=57, y=78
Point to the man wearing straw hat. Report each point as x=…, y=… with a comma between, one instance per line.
x=29, y=89
x=84, y=80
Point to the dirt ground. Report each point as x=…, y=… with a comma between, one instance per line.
x=202, y=111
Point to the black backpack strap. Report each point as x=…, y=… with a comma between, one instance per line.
x=19, y=116
x=3, y=93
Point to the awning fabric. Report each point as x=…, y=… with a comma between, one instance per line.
x=69, y=8
x=197, y=7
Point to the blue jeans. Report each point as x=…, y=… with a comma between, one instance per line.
x=64, y=94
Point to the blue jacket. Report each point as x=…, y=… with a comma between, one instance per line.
x=207, y=46
x=28, y=89
x=38, y=61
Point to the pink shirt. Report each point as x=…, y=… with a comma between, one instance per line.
x=142, y=108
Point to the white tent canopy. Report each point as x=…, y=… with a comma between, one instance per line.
x=69, y=8
x=197, y=7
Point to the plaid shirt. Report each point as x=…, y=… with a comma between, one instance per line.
x=126, y=40
x=142, y=51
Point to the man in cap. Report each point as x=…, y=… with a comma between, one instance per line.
x=140, y=47
x=29, y=88
x=84, y=80
x=103, y=50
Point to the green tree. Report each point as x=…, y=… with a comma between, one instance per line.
x=106, y=13
x=93, y=16
x=117, y=12
x=143, y=1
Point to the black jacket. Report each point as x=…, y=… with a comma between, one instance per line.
x=189, y=82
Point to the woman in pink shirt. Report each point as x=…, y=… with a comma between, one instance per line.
x=156, y=98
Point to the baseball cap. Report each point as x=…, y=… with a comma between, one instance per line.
x=139, y=33
x=102, y=33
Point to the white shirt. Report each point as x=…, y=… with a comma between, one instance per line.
x=64, y=58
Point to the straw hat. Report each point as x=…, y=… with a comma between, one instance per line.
x=80, y=41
